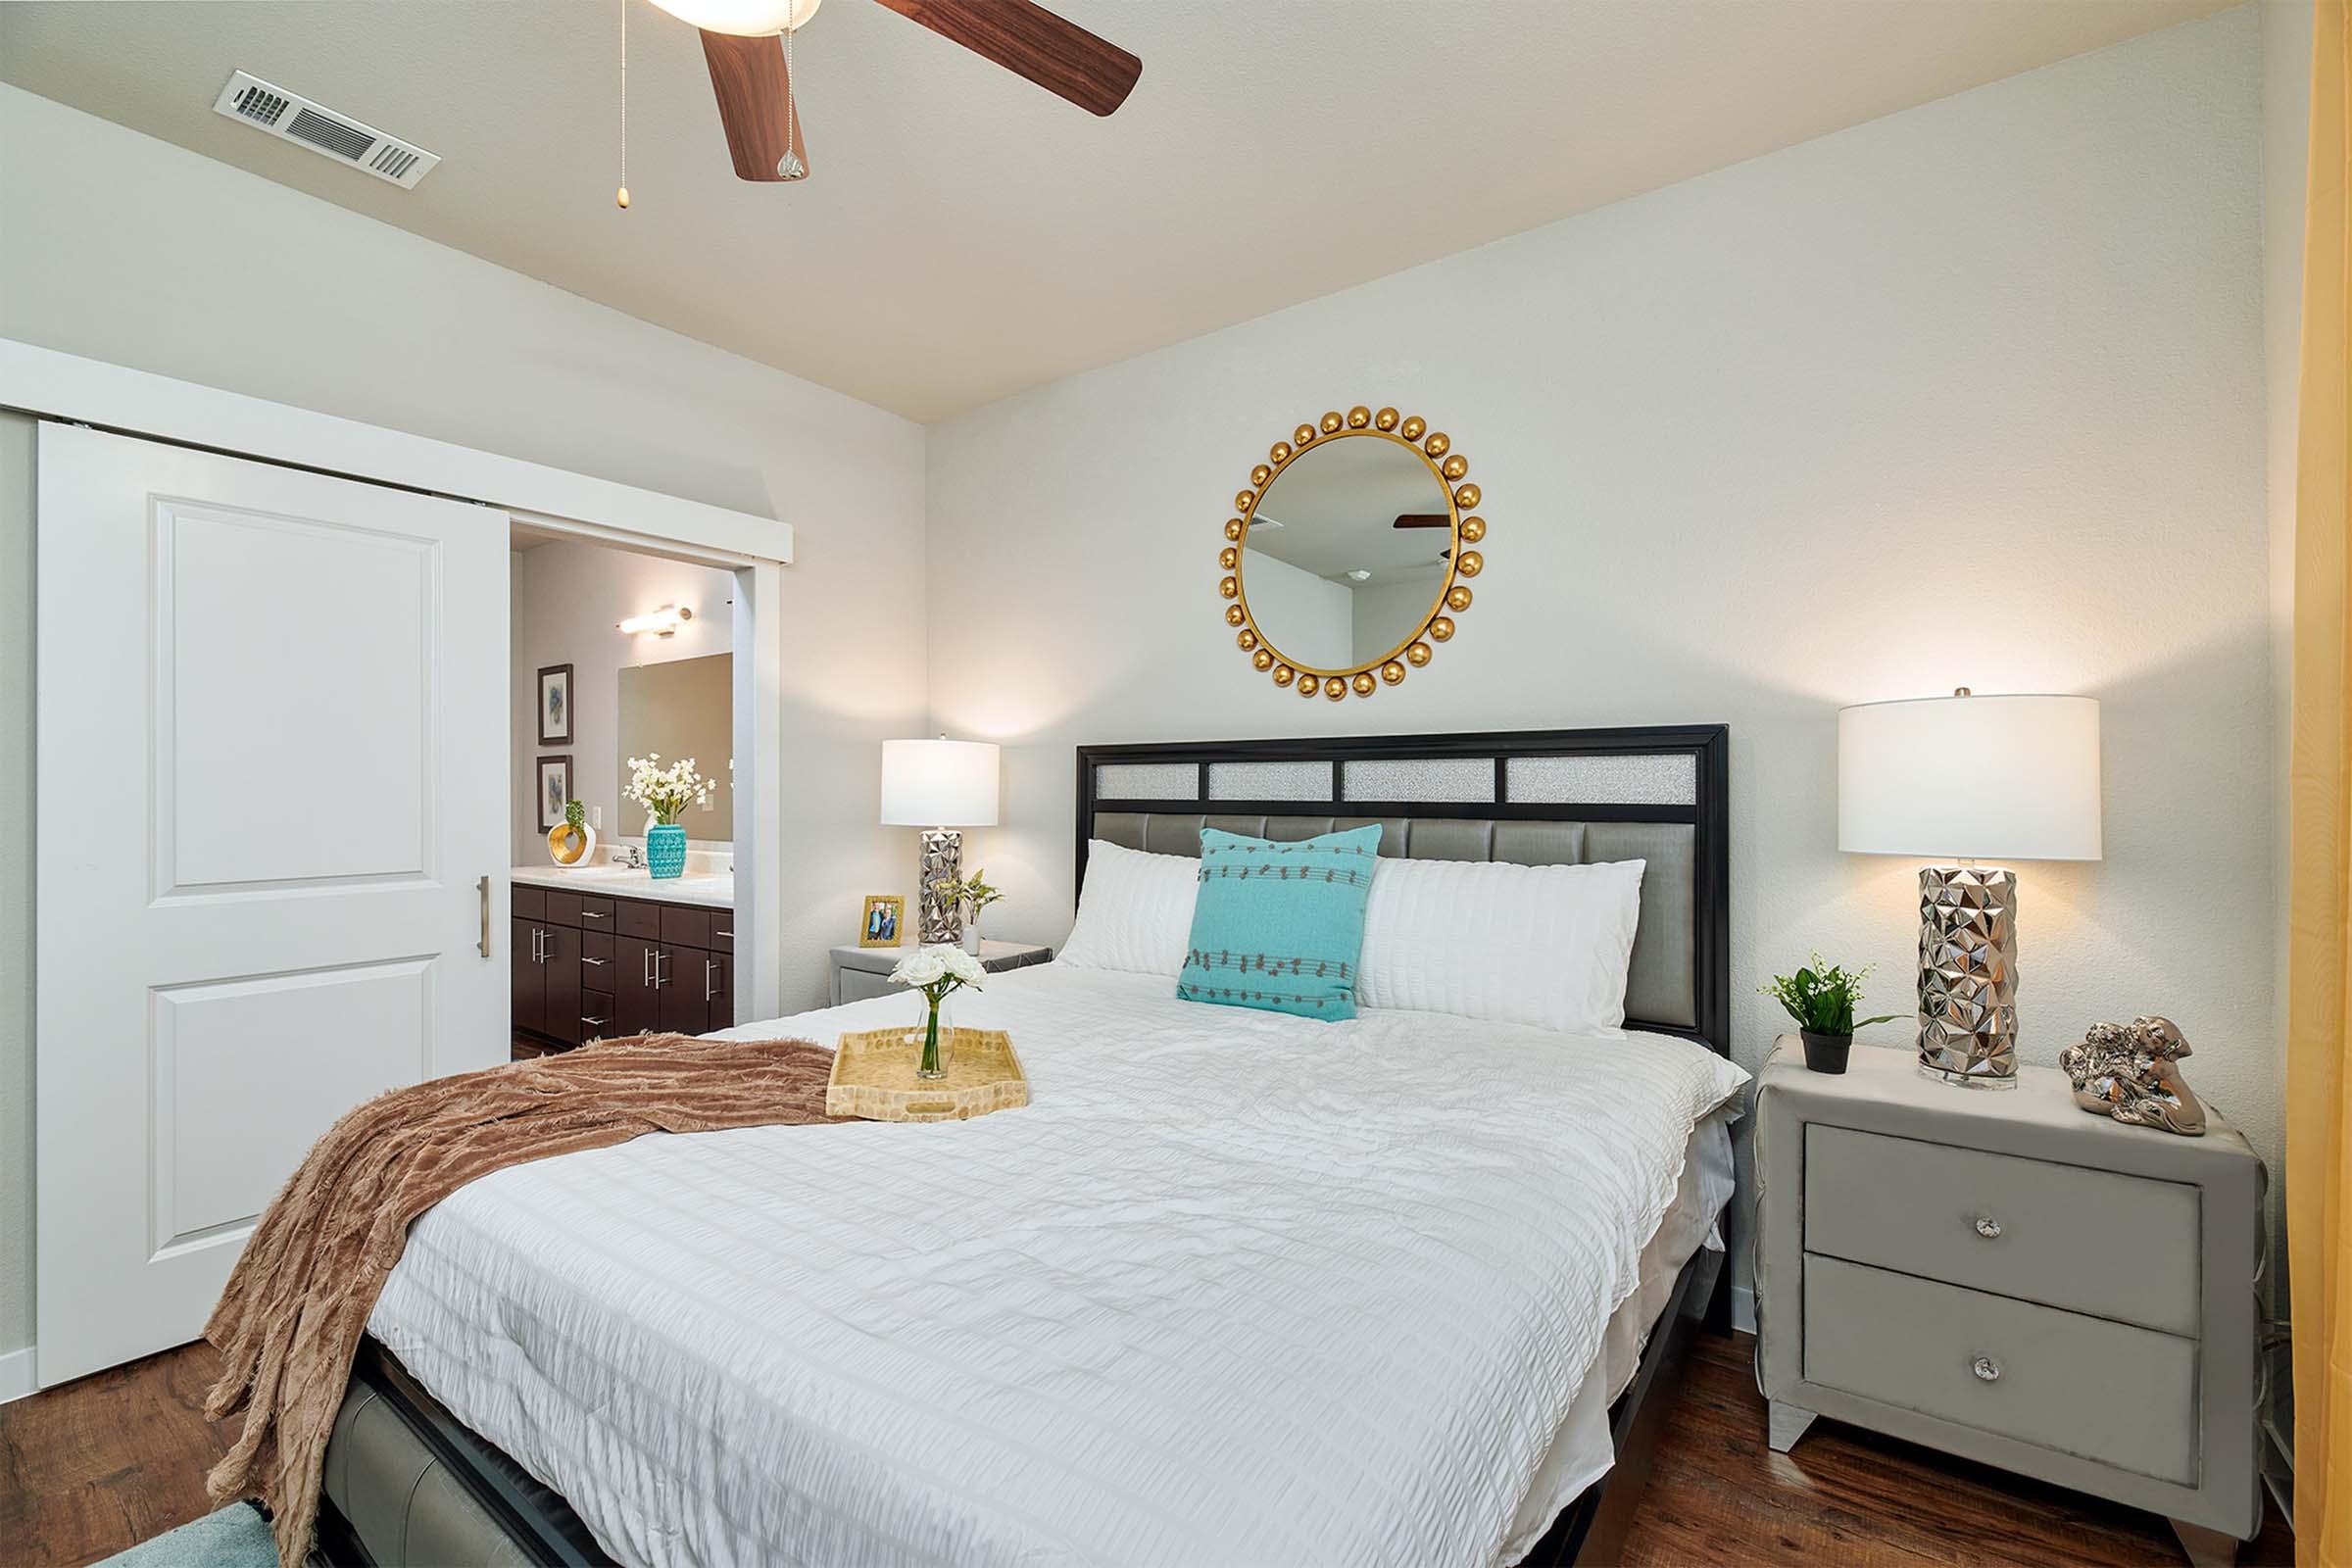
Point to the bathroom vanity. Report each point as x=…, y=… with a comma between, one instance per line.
x=606, y=951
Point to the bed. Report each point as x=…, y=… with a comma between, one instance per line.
x=1236, y=1287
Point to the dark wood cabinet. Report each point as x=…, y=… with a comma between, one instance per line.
x=588, y=967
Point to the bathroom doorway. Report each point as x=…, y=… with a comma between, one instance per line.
x=628, y=791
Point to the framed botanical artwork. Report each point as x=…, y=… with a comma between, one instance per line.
x=555, y=790
x=880, y=927
x=555, y=705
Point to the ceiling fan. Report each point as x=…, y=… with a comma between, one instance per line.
x=750, y=73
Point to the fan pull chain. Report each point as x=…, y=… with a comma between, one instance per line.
x=790, y=166
x=622, y=195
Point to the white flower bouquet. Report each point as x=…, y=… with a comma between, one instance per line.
x=666, y=792
x=938, y=973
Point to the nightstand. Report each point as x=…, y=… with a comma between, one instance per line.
x=2004, y=1276
x=862, y=972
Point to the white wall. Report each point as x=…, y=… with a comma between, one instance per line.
x=1972, y=394
x=568, y=601
x=126, y=249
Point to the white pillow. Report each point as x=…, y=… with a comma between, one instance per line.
x=1542, y=944
x=1135, y=911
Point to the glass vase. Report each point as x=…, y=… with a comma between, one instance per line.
x=933, y=1039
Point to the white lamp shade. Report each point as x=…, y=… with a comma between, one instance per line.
x=939, y=783
x=1979, y=778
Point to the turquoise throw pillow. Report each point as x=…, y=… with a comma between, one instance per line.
x=1279, y=927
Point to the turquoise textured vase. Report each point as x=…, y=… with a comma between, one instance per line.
x=666, y=850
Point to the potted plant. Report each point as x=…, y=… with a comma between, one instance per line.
x=973, y=895
x=1821, y=997
x=938, y=973
x=665, y=793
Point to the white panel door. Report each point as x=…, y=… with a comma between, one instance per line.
x=272, y=769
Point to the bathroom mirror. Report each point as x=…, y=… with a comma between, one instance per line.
x=1347, y=561
x=685, y=707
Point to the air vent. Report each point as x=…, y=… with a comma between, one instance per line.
x=290, y=117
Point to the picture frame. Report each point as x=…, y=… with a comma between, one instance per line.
x=555, y=705
x=883, y=925
x=555, y=790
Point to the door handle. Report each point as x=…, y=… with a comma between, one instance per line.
x=645, y=971
x=482, y=891
x=710, y=970
x=534, y=944
x=661, y=969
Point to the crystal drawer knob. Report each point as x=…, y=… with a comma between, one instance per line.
x=1988, y=1227
x=1987, y=1368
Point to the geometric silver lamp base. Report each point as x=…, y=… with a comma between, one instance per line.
x=1968, y=975
x=943, y=861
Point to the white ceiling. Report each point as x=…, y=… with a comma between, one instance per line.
x=964, y=234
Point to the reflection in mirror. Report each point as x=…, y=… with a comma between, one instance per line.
x=1348, y=553
x=685, y=707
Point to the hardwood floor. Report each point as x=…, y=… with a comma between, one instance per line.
x=98, y=1465
x=107, y=1461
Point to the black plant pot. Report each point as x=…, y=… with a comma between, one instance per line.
x=1827, y=1052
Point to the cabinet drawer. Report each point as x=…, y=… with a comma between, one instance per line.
x=562, y=909
x=596, y=961
x=529, y=903
x=2106, y=1392
x=682, y=927
x=722, y=930
x=637, y=919
x=597, y=1017
x=596, y=914
x=2090, y=1241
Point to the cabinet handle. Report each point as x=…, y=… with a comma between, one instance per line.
x=660, y=973
x=590, y=914
x=1987, y=1368
x=593, y=1023
x=709, y=972
x=481, y=891
x=538, y=946
x=729, y=932
x=645, y=971
x=598, y=963
x=1988, y=1227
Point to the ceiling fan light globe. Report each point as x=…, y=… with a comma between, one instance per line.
x=746, y=18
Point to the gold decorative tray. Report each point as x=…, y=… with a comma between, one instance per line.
x=873, y=1077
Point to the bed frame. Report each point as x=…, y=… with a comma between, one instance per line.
x=415, y=1475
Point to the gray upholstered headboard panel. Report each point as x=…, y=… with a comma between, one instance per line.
x=1542, y=798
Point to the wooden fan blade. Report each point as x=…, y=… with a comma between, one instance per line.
x=1423, y=519
x=1028, y=40
x=747, y=74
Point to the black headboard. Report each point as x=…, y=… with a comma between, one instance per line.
x=1537, y=797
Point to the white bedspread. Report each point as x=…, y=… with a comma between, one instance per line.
x=1236, y=1287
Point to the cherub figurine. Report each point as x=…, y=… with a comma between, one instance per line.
x=2132, y=1072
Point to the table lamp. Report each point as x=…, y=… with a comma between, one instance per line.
x=939, y=786
x=1963, y=779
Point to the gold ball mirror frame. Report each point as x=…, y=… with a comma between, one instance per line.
x=1348, y=556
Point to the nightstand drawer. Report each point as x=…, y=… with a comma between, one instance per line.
x=2124, y=1396
x=2068, y=1236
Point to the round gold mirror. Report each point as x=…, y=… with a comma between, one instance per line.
x=1348, y=559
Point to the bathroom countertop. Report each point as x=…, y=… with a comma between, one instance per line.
x=716, y=889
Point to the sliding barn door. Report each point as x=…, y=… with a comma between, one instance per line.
x=272, y=767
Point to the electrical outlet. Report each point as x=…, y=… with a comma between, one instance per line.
x=596, y=817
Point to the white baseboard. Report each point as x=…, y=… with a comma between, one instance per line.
x=1744, y=1308
x=16, y=1374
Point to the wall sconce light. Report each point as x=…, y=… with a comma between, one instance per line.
x=663, y=622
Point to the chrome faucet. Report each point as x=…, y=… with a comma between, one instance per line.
x=635, y=862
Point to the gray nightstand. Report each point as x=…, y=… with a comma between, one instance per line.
x=2003, y=1276
x=862, y=972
